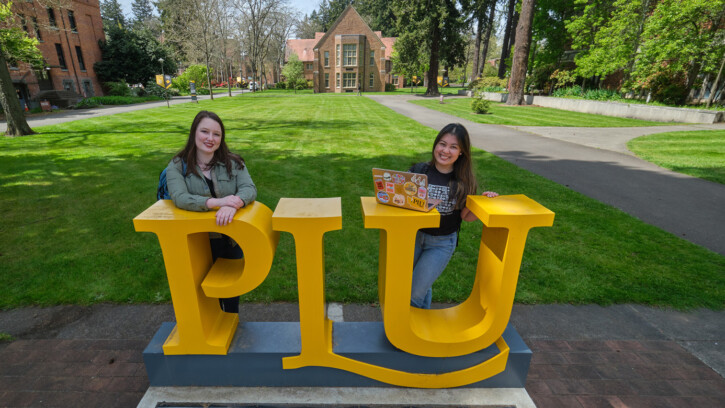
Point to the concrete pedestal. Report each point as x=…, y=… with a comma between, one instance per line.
x=255, y=359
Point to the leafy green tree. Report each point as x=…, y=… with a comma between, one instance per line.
x=608, y=34
x=142, y=10
x=680, y=40
x=196, y=73
x=15, y=45
x=293, y=72
x=132, y=57
x=430, y=33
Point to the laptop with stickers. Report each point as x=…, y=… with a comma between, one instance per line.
x=402, y=189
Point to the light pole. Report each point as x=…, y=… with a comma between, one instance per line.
x=163, y=82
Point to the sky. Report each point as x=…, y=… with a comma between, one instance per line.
x=304, y=6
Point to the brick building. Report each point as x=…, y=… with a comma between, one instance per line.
x=68, y=32
x=350, y=53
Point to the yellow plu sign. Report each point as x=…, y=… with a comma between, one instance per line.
x=477, y=323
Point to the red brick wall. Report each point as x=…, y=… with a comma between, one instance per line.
x=89, y=30
x=350, y=29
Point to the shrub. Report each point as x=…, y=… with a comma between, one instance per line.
x=153, y=89
x=489, y=82
x=87, y=103
x=117, y=88
x=575, y=90
x=310, y=84
x=479, y=104
x=390, y=88
x=281, y=85
x=602, y=95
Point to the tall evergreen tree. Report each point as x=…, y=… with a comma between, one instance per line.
x=142, y=10
x=112, y=14
x=430, y=33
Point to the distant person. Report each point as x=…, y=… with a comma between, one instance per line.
x=359, y=89
x=205, y=176
x=450, y=179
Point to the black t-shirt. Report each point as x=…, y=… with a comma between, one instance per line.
x=439, y=188
x=211, y=186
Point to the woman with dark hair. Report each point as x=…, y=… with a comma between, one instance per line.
x=450, y=179
x=205, y=175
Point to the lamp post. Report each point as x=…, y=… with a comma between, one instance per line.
x=163, y=82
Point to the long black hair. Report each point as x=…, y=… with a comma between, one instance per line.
x=221, y=155
x=463, y=182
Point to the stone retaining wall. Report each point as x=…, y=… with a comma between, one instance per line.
x=618, y=109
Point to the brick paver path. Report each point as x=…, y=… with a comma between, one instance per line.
x=72, y=373
x=641, y=374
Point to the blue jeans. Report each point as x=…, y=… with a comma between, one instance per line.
x=432, y=254
x=223, y=248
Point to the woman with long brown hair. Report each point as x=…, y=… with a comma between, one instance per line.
x=206, y=176
x=451, y=180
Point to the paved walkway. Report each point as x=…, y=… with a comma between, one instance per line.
x=71, y=115
x=686, y=206
x=584, y=356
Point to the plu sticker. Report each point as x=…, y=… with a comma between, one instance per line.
x=399, y=199
x=379, y=185
x=415, y=201
x=383, y=197
x=390, y=187
x=422, y=192
x=398, y=178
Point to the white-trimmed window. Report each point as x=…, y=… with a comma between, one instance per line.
x=337, y=54
x=327, y=80
x=372, y=58
x=349, y=54
x=372, y=80
x=327, y=58
x=338, y=80
x=348, y=79
x=308, y=67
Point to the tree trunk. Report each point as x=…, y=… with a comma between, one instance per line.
x=520, y=61
x=14, y=115
x=477, y=49
x=487, y=38
x=691, y=76
x=506, y=38
x=713, y=89
x=432, y=89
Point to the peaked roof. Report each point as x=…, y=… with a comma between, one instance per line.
x=303, y=48
x=349, y=9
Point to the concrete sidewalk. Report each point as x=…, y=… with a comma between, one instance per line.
x=584, y=356
x=685, y=206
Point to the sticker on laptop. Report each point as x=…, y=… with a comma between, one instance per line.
x=383, y=196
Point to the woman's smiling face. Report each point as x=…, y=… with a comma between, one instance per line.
x=446, y=152
x=208, y=136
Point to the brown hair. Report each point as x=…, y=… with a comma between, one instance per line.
x=221, y=155
x=463, y=182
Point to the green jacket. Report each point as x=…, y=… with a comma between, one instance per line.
x=191, y=192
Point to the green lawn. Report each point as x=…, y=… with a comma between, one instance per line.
x=501, y=114
x=698, y=153
x=68, y=196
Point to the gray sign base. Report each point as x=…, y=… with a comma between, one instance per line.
x=255, y=359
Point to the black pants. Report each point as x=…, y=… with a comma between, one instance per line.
x=223, y=248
